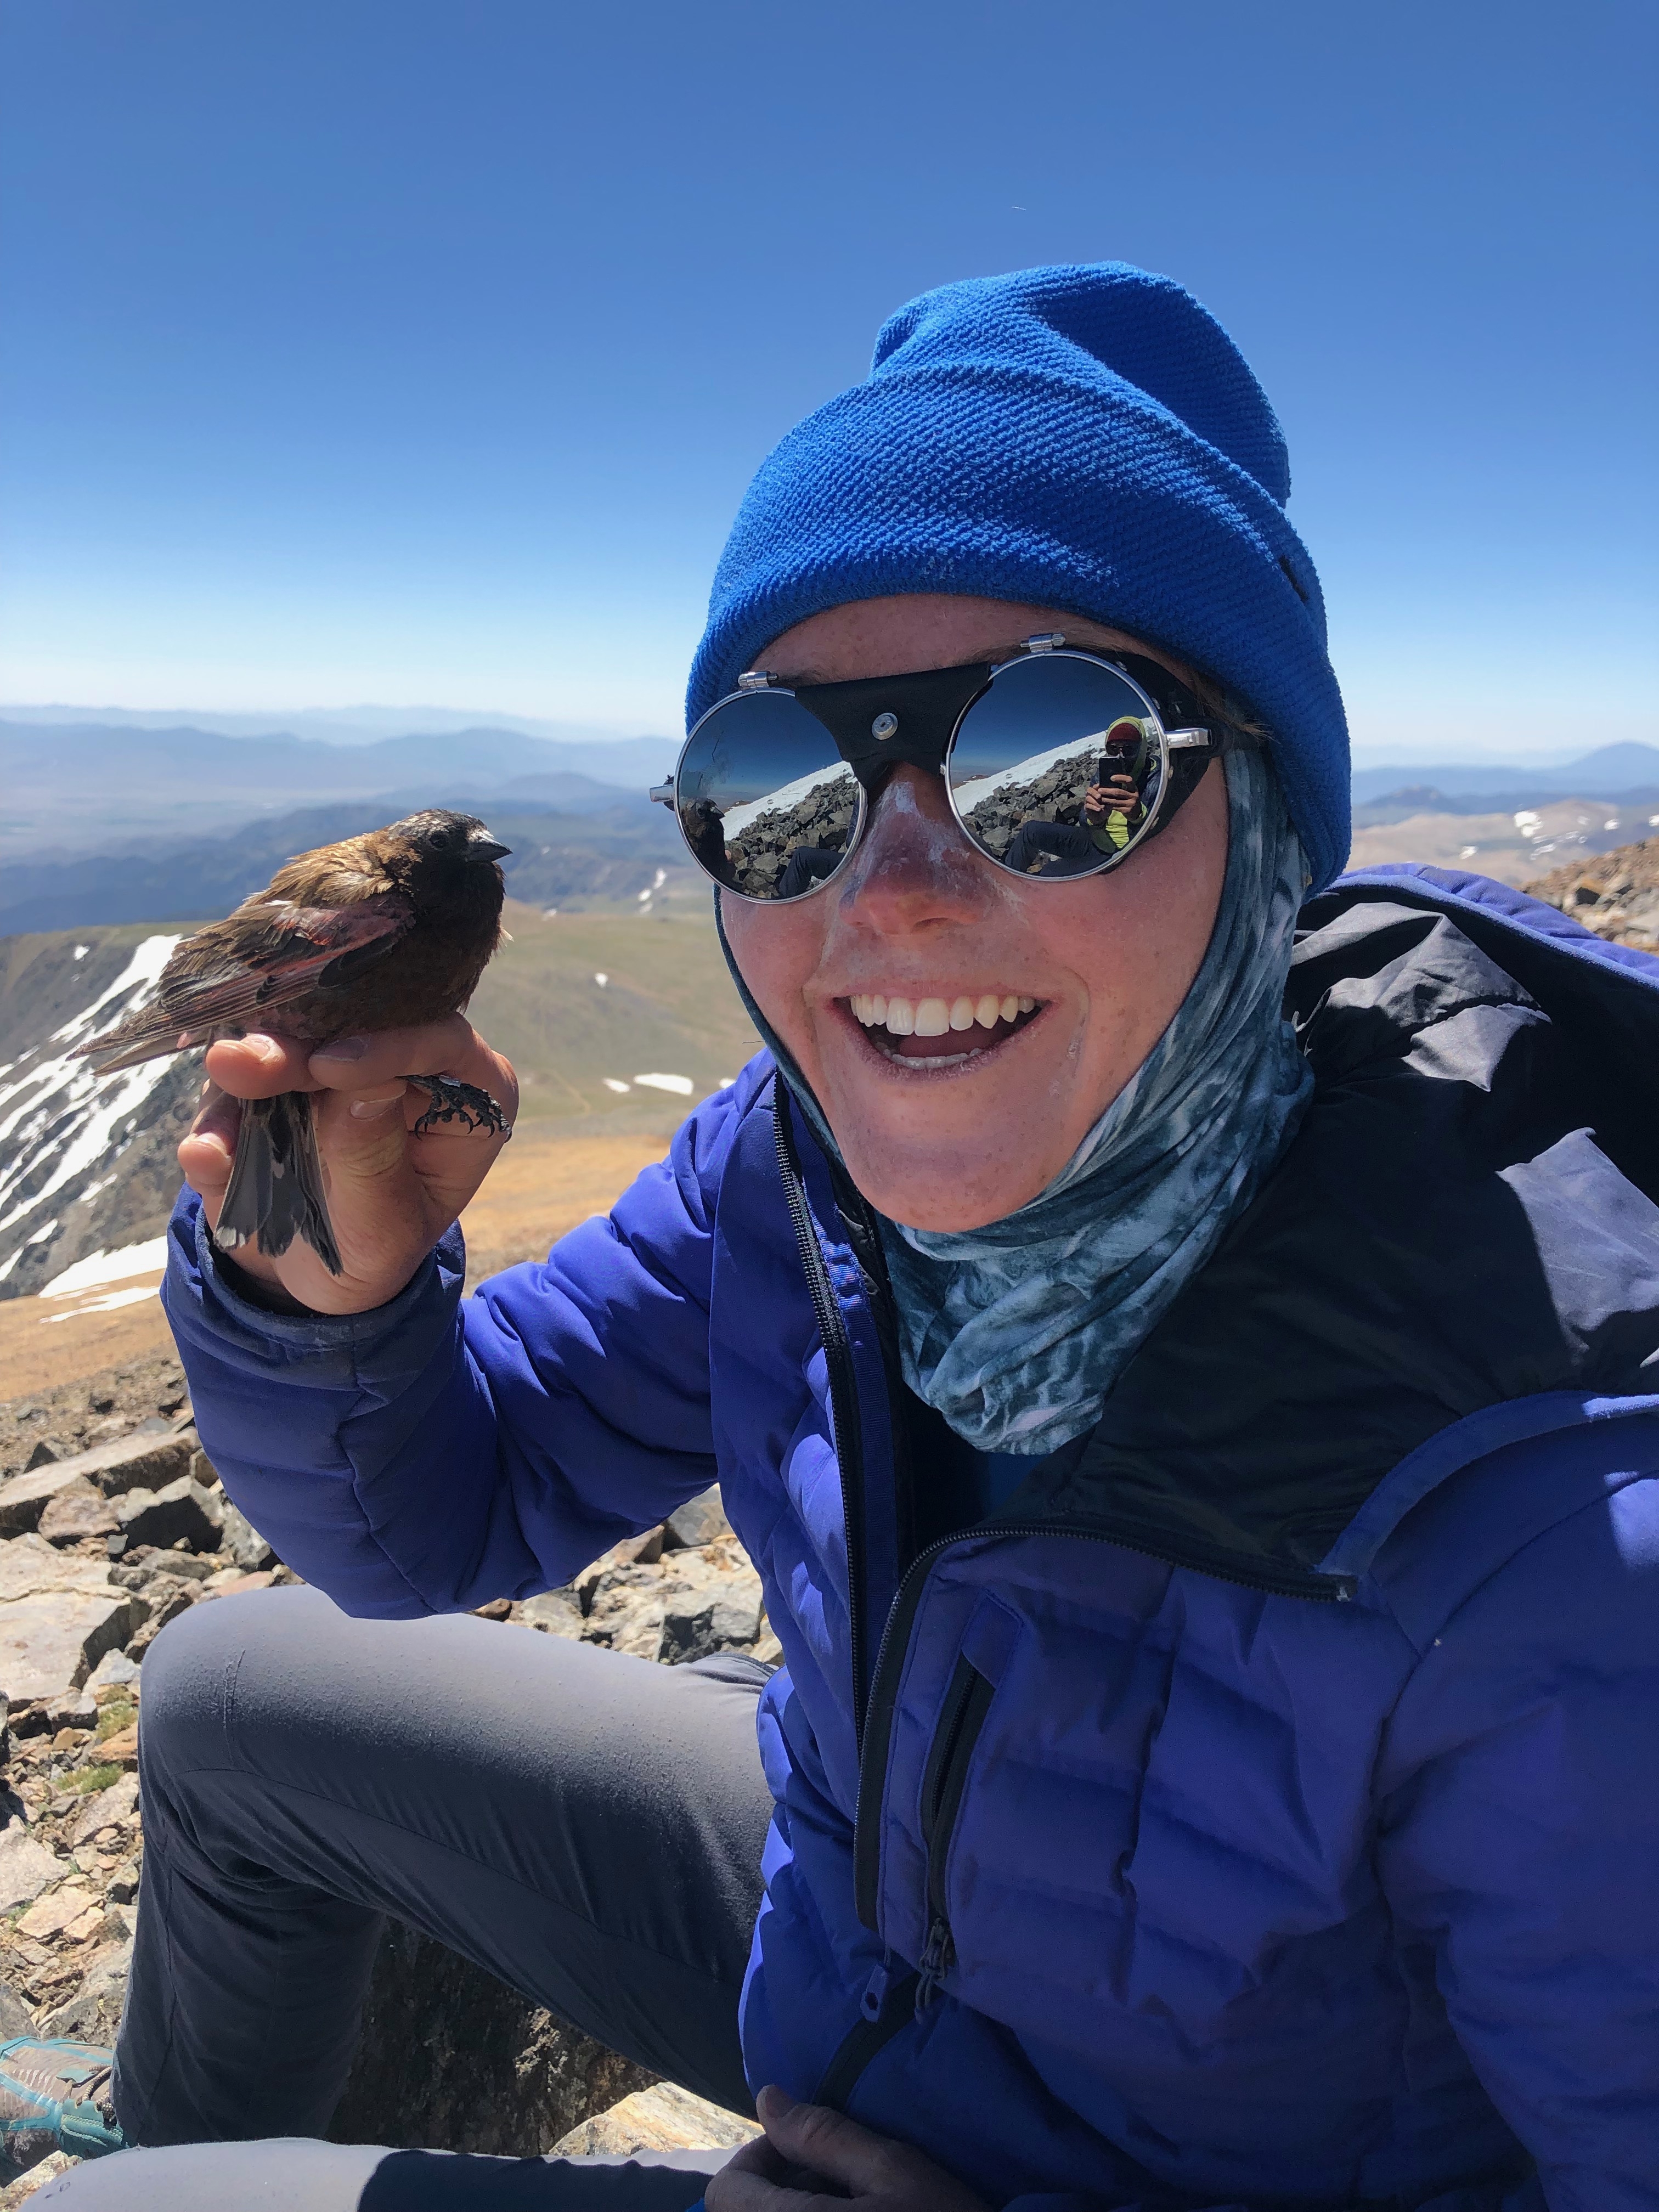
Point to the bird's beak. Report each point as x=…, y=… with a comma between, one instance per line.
x=487, y=849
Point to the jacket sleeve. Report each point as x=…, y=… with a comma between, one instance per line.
x=1520, y=1837
x=437, y=1453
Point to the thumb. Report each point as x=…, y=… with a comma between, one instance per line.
x=825, y=2141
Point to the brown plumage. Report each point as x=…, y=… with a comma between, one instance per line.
x=390, y=930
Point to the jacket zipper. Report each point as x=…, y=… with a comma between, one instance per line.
x=888, y=2005
x=895, y=1642
x=966, y=1705
x=873, y=1741
x=843, y=1395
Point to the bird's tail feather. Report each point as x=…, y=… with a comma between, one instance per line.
x=275, y=1188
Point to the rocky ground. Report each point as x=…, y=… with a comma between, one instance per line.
x=1056, y=795
x=1616, y=894
x=759, y=853
x=112, y=1523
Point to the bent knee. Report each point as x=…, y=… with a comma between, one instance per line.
x=200, y=1666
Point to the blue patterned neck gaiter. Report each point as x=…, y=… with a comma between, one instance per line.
x=1017, y=1332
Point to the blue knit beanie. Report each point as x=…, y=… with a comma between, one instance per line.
x=1085, y=438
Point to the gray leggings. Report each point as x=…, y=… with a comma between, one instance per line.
x=586, y=1826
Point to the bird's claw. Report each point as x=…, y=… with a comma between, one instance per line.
x=452, y=1101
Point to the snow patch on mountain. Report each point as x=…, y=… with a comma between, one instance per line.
x=86, y=1160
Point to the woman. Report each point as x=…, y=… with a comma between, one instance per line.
x=1176, y=1340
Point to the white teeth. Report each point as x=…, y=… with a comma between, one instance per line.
x=931, y=1018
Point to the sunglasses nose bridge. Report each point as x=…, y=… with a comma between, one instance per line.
x=912, y=859
x=873, y=753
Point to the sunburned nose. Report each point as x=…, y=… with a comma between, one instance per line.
x=914, y=865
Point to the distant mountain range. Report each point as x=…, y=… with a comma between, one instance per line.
x=607, y=854
x=334, y=726
x=83, y=787
x=1611, y=772
x=108, y=822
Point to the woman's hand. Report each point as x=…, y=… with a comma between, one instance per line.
x=390, y=1195
x=812, y=2159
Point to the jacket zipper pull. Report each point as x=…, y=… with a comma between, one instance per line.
x=936, y=1961
x=874, y=2003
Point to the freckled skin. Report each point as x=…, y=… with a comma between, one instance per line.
x=918, y=912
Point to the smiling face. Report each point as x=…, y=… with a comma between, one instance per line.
x=963, y=1030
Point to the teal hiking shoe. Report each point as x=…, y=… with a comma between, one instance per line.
x=54, y=2095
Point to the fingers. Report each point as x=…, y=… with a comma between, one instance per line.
x=205, y=1154
x=756, y=2164
x=741, y=2186
x=452, y=1046
x=391, y=1193
x=818, y=2136
x=840, y=2154
x=739, y=2189
x=258, y=1066
x=263, y=1063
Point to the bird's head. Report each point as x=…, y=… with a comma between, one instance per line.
x=446, y=862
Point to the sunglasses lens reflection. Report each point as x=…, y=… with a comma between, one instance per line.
x=1055, y=769
x=766, y=804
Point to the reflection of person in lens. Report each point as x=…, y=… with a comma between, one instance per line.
x=807, y=865
x=703, y=823
x=1113, y=808
x=1188, y=1408
x=1115, y=804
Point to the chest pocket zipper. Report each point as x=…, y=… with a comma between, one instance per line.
x=891, y=1999
x=967, y=1702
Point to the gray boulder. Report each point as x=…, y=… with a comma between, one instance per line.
x=77, y=1510
x=182, y=1509
x=24, y=1498
x=16, y=2018
x=113, y=1671
x=114, y=1808
x=127, y=1463
x=555, y=1612
x=26, y=1868
x=699, y=1521
x=94, y=2013
x=245, y=1545
x=58, y=1615
x=49, y=1644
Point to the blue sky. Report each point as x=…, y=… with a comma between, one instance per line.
x=376, y=350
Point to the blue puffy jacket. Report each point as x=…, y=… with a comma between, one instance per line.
x=1262, y=1808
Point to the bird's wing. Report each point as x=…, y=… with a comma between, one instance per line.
x=273, y=952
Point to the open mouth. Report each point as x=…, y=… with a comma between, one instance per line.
x=940, y=1033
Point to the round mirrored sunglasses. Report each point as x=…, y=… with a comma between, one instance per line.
x=1058, y=763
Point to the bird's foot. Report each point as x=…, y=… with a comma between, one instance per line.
x=458, y=1101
